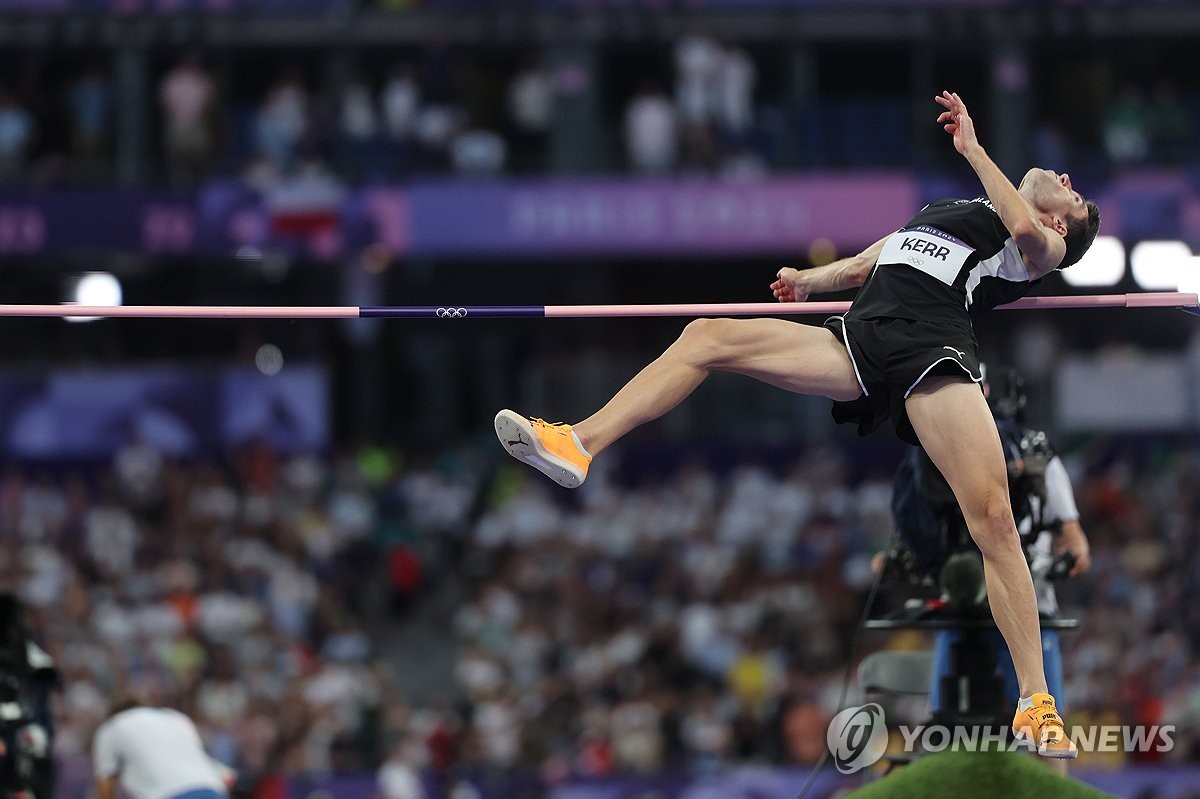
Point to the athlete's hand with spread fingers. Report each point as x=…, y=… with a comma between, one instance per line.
x=789, y=286
x=957, y=122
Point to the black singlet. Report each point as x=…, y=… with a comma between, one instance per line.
x=951, y=262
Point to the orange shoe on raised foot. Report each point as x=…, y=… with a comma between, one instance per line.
x=1041, y=726
x=549, y=447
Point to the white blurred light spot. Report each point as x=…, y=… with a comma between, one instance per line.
x=1102, y=265
x=1158, y=265
x=268, y=359
x=1189, y=276
x=95, y=288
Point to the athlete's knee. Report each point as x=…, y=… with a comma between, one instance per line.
x=705, y=342
x=993, y=517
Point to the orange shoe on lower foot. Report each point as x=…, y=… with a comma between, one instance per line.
x=1041, y=726
x=551, y=448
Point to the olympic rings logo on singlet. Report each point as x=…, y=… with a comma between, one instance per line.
x=932, y=251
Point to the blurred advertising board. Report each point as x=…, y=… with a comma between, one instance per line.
x=547, y=218
x=80, y=415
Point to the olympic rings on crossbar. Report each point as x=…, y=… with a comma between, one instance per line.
x=451, y=313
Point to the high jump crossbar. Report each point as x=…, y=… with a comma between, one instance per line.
x=1189, y=302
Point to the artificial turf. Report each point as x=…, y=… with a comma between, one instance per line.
x=954, y=774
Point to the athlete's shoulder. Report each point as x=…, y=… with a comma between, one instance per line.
x=955, y=208
x=977, y=205
x=952, y=202
x=948, y=202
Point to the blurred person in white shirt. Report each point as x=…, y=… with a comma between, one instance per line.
x=187, y=97
x=155, y=753
x=359, y=127
x=401, y=102
x=111, y=535
x=651, y=132
x=734, y=91
x=17, y=129
x=282, y=122
x=398, y=778
x=358, y=117
x=139, y=469
x=697, y=64
x=531, y=109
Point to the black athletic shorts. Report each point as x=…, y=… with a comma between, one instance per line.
x=890, y=357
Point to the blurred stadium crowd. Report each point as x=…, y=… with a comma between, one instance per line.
x=685, y=622
x=458, y=620
x=699, y=106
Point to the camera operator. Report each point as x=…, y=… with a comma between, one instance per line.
x=155, y=753
x=936, y=548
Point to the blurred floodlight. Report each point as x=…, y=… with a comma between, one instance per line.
x=95, y=288
x=1189, y=276
x=1102, y=265
x=269, y=359
x=821, y=252
x=1158, y=265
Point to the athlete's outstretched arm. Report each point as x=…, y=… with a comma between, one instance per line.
x=1042, y=245
x=796, y=285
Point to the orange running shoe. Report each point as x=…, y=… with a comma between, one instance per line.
x=1041, y=726
x=549, y=447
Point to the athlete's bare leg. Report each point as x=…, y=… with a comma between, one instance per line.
x=957, y=430
x=800, y=358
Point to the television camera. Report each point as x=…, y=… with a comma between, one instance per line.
x=27, y=680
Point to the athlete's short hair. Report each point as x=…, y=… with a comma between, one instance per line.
x=1080, y=235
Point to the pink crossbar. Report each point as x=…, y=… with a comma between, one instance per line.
x=1147, y=300
x=1141, y=300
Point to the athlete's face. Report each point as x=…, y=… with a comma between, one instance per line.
x=1053, y=197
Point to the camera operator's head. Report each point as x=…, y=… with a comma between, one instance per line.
x=122, y=704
